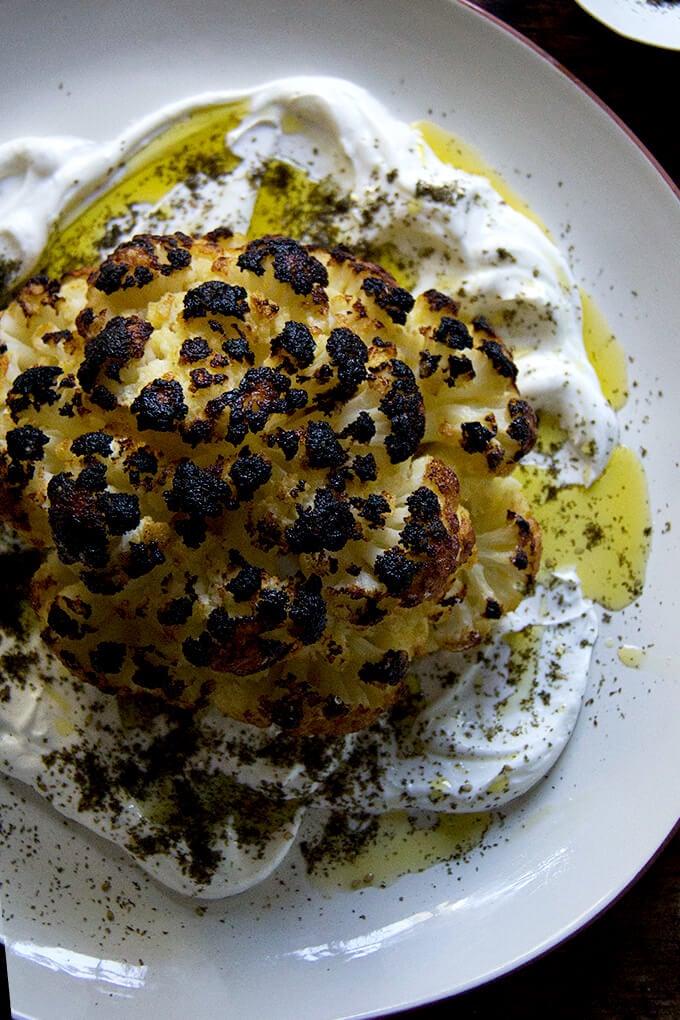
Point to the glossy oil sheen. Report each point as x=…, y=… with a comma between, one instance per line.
x=194, y=145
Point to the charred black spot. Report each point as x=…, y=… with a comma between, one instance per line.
x=423, y=504
x=215, y=297
x=362, y=429
x=288, y=713
x=104, y=398
x=395, y=570
x=198, y=651
x=389, y=671
x=142, y=275
x=323, y=448
x=120, y=511
x=178, y=258
x=453, y=333
x=143, y=557
x=238, y=349
x=194, y=349
x=176, y=612
x=221, y=625
x=119, y=342
x=92, y=442
x=159, y=406
x=394, y=300
x=142, y=462
x=202, y=379
x=521, y=523
x=153, y=677
x=296, y=339
x=483, y=326
x=337, y=480
x=520, y=560
x=369, y=613
x=365, y=468
x=428, y=364
x=78, y=527
x=133, y=264
x=374, y=509
x=26, y=443
x=288, y=442
x=522, y=428
x=246, y=583
x=249, y=472
x=196, y=432
x=404, y=408
x=438, y=302
x=85, y=320
x=108, y=657
x=328, y=524
x=58, y=337
x=500, y=358
x=33, y=388
x=493, y=610
x=296, y=400
x=262, y=392
x=92, y=478
x=198, y=492
x=293, y=264
x=308, y=612
x=272, y=608
x=110, y=276
x=414, y=537
x=63, y=624
x=349, y=354
x=495, y=456
x=422, y=536
x=19, y=473
x=475, y=437
x=101, y=583
x=460, y=366
x=334, y=707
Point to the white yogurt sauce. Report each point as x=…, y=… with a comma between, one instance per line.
x=491, y=723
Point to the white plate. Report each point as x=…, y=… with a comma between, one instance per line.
x=85, y=931
x=650, y=21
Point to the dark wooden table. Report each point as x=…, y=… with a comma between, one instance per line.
x=626, y=965
x=640, y=83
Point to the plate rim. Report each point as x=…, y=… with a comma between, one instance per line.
x=586, y=89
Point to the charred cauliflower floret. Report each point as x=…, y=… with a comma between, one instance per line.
x=260, y=475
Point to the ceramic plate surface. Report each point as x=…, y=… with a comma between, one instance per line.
x=650, y=21
x=86, y=933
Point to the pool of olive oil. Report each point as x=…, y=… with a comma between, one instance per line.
x=400, y=846
x=194, y=145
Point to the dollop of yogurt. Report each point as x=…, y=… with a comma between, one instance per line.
x=487, y=724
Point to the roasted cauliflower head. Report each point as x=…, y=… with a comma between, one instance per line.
x=261, y=475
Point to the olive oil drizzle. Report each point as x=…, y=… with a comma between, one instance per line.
x=396, y=845
x=603, y=532
x=192, y=147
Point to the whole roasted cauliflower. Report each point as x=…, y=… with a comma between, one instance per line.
x=261, y=475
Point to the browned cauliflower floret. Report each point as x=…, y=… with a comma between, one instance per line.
x=261, y=475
